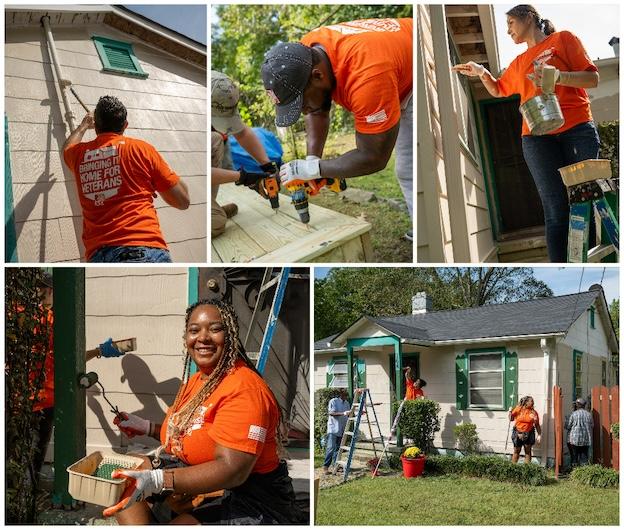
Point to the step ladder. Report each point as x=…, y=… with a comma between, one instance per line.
x=594, y=197
x=362, y=406
x=393, y=430
x=267, y=282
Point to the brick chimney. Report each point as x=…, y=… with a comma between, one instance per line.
x=421, y=303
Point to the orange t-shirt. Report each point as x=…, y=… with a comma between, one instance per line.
x=372, y=64
x=525, y=418
x=240, y=414
x=116, y=176
x=411, y=392
x=564, y=51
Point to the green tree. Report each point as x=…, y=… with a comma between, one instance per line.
x=614, y=311
x=27, y=337
x=348, y=293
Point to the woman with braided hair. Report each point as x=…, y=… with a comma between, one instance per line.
x=523, y=433
x=221, y=433
x=577, y=139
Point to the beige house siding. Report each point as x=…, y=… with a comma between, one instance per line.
x=168, y=110
x=605, y=98
x=142, y=382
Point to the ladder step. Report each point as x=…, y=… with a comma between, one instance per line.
x=349, y=432
x=345, y=447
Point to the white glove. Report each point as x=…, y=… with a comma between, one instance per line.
x=538, y=439
x=347, y=412
x=132, y=425
x=140, y=485
x=308, y=169
x=470, y=69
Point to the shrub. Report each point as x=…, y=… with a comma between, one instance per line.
x=394, y=461
x=609, y=132
x=321, y=401
x=596, y=476
x=466, y=436
x=615, y=430
x=419, y=421
x=490, y=467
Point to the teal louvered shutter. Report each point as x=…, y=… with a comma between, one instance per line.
x=360, y=365
x=329, y=375
x=511, y=379
x=118, y=57
x=461, y=381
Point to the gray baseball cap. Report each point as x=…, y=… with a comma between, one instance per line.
x=224, y=96
x=285, y=74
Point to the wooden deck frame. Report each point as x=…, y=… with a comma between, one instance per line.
x=257, y=234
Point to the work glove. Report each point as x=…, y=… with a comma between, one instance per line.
x=132, y=425
x=108, y=349
x=270, y=168
x=308, y=169
x=140, y=485
x=249, y=179
x=471, y=69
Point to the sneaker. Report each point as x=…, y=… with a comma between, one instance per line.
x=409, y=235
x=230, y=209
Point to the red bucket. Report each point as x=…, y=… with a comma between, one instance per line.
x=413, y=467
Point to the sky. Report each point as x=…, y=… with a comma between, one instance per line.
x=593, y=24
x=189, y=20
x=561, y=280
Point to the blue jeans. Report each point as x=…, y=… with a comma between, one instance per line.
x=544, y=155
x=130, y=255
x=332, y=442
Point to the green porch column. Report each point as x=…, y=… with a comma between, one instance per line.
x=70, y=431
x=350, y=368
x=398, y=375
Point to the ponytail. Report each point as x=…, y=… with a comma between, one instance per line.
x=547, y=26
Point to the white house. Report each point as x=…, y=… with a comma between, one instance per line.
x=158, y=74
x=478, y=362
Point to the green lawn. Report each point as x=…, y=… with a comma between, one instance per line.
x=462, y=501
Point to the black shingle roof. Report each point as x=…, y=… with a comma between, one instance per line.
x=532, y=317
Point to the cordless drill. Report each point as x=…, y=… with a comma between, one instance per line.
x=301, y=189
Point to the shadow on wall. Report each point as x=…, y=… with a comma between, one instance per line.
x=146, y=389
x=456, y=417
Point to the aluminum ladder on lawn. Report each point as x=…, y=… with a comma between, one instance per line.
x=267, y=282
x=595, y=197
x=350, y=435
x=393, y=430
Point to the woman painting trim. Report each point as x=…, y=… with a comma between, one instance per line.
x=523, y=433
x=413, y=385
x=577, y=139
x=222, y=432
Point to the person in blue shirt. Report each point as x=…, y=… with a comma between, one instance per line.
x=337, y=413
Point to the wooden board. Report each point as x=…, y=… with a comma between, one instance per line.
x=596, y=446
x=257, y=234
x=615, y=418
x=605, y=426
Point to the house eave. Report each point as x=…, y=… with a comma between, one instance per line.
x=330, y=350
x=483, y=339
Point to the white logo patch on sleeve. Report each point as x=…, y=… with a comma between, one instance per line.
x=257, y=433
x=377, y=117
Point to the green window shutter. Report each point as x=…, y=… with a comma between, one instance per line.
x=118, y=57
x=592, y=317
x=577, y=374
x=361, y=372
x=329, y=375
x=461, y=381
x=511, y=379
x=10, y=237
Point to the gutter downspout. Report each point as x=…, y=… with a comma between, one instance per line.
x=62, y=81
x=546, y=346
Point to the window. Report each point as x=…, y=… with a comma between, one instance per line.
x=118, y=57
x=337, y=373
x=578, y=374
x=485, y=380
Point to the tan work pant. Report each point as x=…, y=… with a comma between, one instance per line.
x=218, y=216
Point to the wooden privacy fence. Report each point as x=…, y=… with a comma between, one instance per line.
x=605, y=411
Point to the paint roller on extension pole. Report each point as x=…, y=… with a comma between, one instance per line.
x=71, y=89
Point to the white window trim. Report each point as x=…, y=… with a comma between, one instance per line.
x=501, y=388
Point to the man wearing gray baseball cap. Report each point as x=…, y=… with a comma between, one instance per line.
x=364, y=66
x=579, y=425
x=225, y=121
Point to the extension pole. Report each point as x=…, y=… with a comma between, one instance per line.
x=62, y=81
x=392, y=431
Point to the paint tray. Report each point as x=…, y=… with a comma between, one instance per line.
x=585, y=171
x=89, y=478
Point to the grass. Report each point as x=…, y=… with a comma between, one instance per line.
x=451, y=500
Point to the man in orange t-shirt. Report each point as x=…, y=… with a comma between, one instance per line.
x=364, y=66
x=117, y=178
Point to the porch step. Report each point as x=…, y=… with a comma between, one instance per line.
x=527, y=249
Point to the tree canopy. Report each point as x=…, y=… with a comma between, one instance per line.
x=348, y=293
x=241, y=34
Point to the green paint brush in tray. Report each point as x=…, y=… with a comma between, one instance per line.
x=90, y=478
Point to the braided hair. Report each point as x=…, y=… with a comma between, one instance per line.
x=180, y=420
x=525, y=400
x=526, y=11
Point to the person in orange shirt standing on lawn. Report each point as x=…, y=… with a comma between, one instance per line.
x=364, y=66
x=221, y=433
x=577, y=139
x=523, y=433
x=117, y=179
